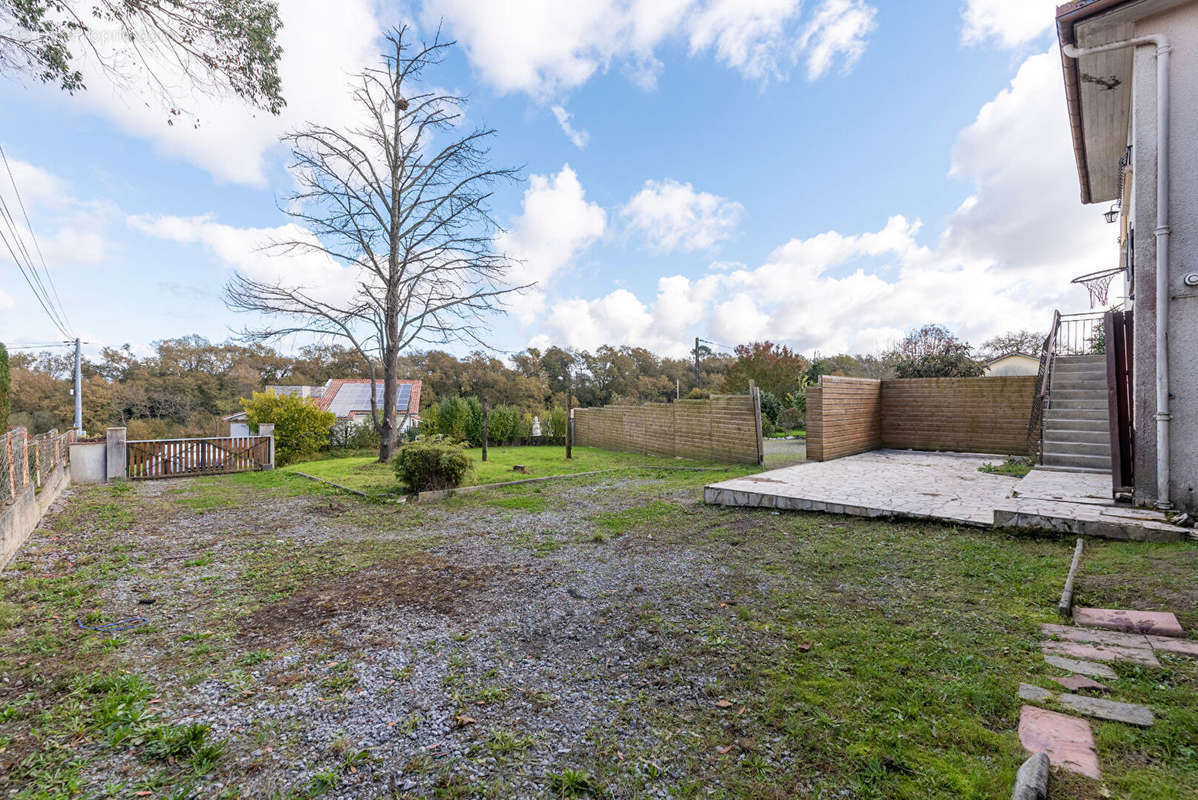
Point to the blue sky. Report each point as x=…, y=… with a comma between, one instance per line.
x=827, y=173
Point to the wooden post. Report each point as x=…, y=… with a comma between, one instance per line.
x=25, y=460
x=755, y=395
x=486, y=413
x=569, y=416
x=12, y=484
x=1065, y=607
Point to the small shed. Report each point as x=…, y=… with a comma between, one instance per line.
x=1012, y=363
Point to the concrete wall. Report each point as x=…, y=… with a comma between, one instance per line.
x=844, y=416
x=723, y=428
x=89, y=462
x=19, y=520
x=974, y=415
x=1181, y=27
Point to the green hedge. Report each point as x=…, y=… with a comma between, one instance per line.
x=432, y=464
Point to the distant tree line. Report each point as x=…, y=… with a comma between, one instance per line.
x=183, y=386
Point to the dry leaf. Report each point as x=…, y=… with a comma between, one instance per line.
x=723, y=703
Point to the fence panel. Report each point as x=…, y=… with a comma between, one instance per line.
x=26, y=459
x=173, y=458
x=722, y=428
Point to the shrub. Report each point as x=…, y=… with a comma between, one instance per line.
x=790, y=419
x=362, y=436
x=503, y=424
x=770, y=407
x=5, y=388
x=698, y=394
x=453, y=418
x=767, y=427
x=557, y=423
x=474, y=421
x=301, y=428
x=435, y=463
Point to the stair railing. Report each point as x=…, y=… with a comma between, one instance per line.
x=1035, y=426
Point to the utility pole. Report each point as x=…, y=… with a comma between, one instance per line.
x=78, y=392
x=696, y=362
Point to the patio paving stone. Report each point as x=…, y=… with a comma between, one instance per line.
x=1067, y=741
x=1161, y=623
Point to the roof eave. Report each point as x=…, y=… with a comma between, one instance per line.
x=1068, y=16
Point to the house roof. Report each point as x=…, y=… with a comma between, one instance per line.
x=349, y=397
x=1098, y=87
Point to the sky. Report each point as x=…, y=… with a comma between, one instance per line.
x=827, y=174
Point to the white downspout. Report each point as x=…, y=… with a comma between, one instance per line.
x=1162, y=416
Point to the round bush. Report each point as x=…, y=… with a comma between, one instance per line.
x=432, y=464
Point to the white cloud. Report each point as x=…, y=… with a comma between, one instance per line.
x=1009, y=22
x=1003, y=262
x=556, y=225
x=673, y=216
x=69, y=230
x=839, y=30
x=249, y=250
x=321, y=52
x=545, y=47
x=578, y=138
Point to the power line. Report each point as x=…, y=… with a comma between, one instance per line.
x=36, y=245
x=17, y=248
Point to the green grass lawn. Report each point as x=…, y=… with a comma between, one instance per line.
x=364, y=473
x=783, y=433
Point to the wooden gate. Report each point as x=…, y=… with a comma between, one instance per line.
x=1119, y=355
x=173, y=458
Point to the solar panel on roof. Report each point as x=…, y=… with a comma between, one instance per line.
x=356, y=397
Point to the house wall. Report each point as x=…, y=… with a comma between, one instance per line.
x=722, y=428
x=975, y=415
x=1181, y=27
x=844, y=416
x=1013, y=365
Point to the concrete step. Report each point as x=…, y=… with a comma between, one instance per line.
x=1079, y=380
x=1096, y=463
x=1076, y=361
x=1060, y=433
x=1076, y=448
x=1077, y=415
x=1082, y=403
x=1094, y=470
x=1058, y=394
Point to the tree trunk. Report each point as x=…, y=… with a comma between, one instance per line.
x=486, y=413
x=389, y=435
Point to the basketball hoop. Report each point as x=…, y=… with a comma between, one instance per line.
x=1097, y=284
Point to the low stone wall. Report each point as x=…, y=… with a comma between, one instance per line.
x=19, y=519
x=723, y=428
x=972, y=415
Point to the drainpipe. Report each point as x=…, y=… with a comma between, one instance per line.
x=1162, y=416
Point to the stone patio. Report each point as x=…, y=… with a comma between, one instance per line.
x=949, y=487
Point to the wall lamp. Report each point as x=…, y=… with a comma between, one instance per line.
x=1112, y=214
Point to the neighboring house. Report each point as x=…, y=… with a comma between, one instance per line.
x=349, y=400
x=1129, y=66
x=1012, y=363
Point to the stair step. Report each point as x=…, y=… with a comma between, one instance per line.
x=1081, y=403
x=1101, y=463
x=1054, y=468
x=1059, y=433
x=1077, y=415
x=1098, y=394
x=1056, y=447
x=1099, y=358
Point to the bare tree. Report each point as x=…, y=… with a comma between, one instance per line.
x=403, y=200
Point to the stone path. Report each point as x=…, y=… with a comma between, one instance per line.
x=949, y=487
x=1119, y=636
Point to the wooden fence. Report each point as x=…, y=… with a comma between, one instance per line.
x=724, y=428
x=173, y=458
x=977, y=415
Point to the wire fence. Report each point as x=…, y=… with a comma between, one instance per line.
x=26, y=459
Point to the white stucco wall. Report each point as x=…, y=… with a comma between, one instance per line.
x=1013, y=365
x=1181, y=27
